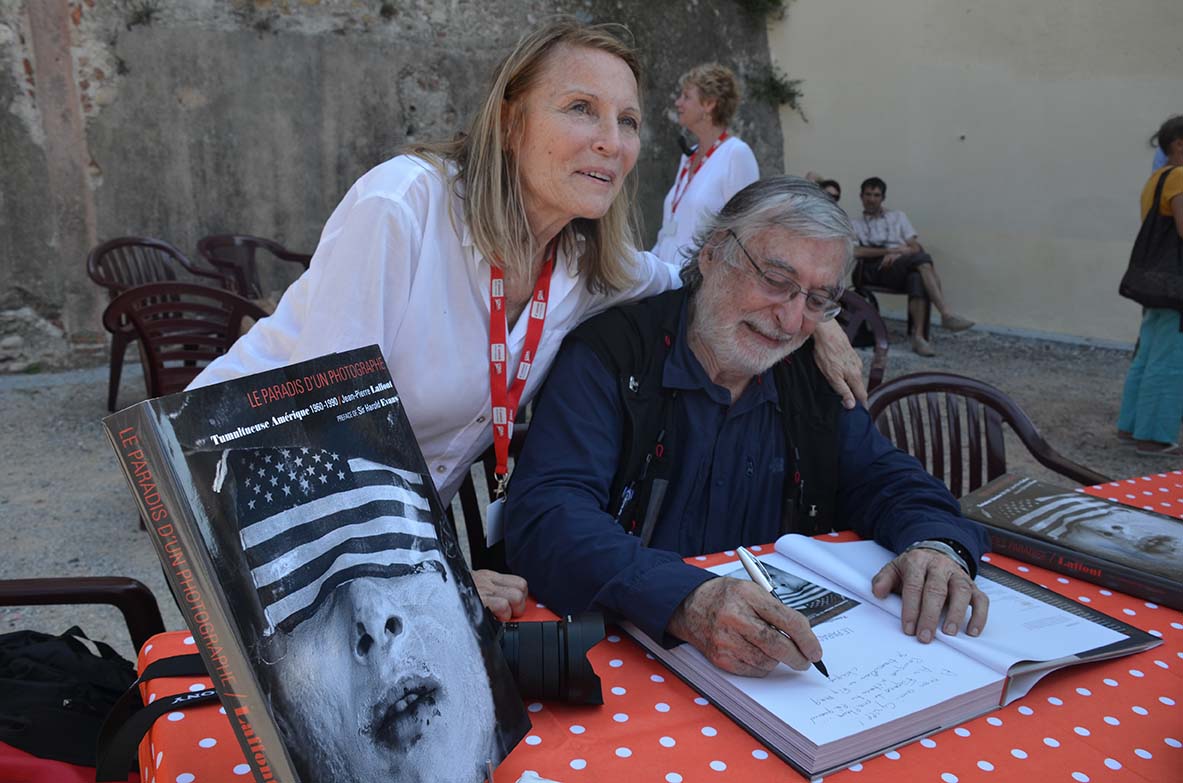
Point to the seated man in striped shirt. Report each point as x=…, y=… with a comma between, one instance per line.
x=893, y=258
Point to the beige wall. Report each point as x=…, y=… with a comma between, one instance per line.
x=1013, y=133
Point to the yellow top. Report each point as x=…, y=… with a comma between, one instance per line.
x=1172, y=188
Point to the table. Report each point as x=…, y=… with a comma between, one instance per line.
x=1114, y=720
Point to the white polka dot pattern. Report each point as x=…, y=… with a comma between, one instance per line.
x=1087, y=722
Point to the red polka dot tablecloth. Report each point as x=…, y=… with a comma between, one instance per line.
x=1117, y=720
x=1161, y=492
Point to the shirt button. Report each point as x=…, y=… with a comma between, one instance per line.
x=440, y=468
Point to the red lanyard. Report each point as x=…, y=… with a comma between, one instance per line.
x=686, y=170
x=505, y=394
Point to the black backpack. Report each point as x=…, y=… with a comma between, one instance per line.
x=54, y=693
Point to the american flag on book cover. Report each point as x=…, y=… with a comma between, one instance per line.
x=1051, y=515
x=311, y=520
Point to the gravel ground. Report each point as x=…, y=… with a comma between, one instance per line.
x=65, y=510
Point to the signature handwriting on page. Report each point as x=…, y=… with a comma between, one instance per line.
x=861, y=694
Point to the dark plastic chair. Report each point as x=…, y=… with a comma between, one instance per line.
x=121, y=263
x=182, y=327
x=857, y=311
x=234, y=255
x=868, y=292
x=481, y=555
x=953, y=425
x=132, y=598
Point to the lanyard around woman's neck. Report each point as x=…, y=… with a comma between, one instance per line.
x=506, y=394
x=687, y=173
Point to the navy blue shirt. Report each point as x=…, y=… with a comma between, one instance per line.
x=725, y=492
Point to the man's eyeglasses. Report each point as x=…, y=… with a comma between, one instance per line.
x=818, y=304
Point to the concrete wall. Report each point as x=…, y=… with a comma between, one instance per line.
x=181, y=118
x=1013, y=133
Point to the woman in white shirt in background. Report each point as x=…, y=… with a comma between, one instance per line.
x=720, y=167
x=532, y=197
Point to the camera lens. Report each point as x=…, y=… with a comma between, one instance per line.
x=549, y=660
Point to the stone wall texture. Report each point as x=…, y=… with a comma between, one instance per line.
x=182, y=118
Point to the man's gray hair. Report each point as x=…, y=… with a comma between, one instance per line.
x=791, y=203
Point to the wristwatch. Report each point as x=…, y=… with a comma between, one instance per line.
x=953, y=549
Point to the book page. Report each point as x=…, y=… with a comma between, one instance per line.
x=1020, y=627
x=877, y=674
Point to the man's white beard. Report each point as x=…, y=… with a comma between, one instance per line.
x=735, y=352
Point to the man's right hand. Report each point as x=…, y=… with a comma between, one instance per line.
x=733, y=623
x=886, y=261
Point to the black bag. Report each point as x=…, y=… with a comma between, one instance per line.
x=1155, y=274
x=54, y=693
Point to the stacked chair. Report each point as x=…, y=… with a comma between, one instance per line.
x=182, y=313
x=127, y=262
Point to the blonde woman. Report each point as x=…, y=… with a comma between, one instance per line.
x=532, y=196
x=720, y=166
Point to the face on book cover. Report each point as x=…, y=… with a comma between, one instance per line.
x=1127, y=532
x=412, y=699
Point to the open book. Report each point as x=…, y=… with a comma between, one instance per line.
x=885, y=688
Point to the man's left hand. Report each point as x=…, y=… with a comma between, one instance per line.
x=839, y=363
x=929, y=583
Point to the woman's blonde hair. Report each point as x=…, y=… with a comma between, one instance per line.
x=490, y=182
x=717, y=82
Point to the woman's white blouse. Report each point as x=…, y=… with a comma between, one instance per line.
x=729, y=170
x=396, y=267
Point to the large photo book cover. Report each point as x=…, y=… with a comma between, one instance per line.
x=303, y=539
x=1111, y=544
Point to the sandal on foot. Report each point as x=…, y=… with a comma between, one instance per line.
x=922, y=347
x=955, y=323
x=1161, y=450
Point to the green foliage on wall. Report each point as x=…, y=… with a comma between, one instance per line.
x=771, y=85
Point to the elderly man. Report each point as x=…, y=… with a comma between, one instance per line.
x=893, y=258
x=696, y=421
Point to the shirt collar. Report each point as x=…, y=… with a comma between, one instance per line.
x=684, y=371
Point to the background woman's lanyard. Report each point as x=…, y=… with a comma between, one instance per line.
x=506, y=395
x=688, y=173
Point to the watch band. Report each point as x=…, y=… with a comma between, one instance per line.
x=946, y=547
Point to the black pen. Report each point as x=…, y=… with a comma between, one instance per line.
x=760, y=576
